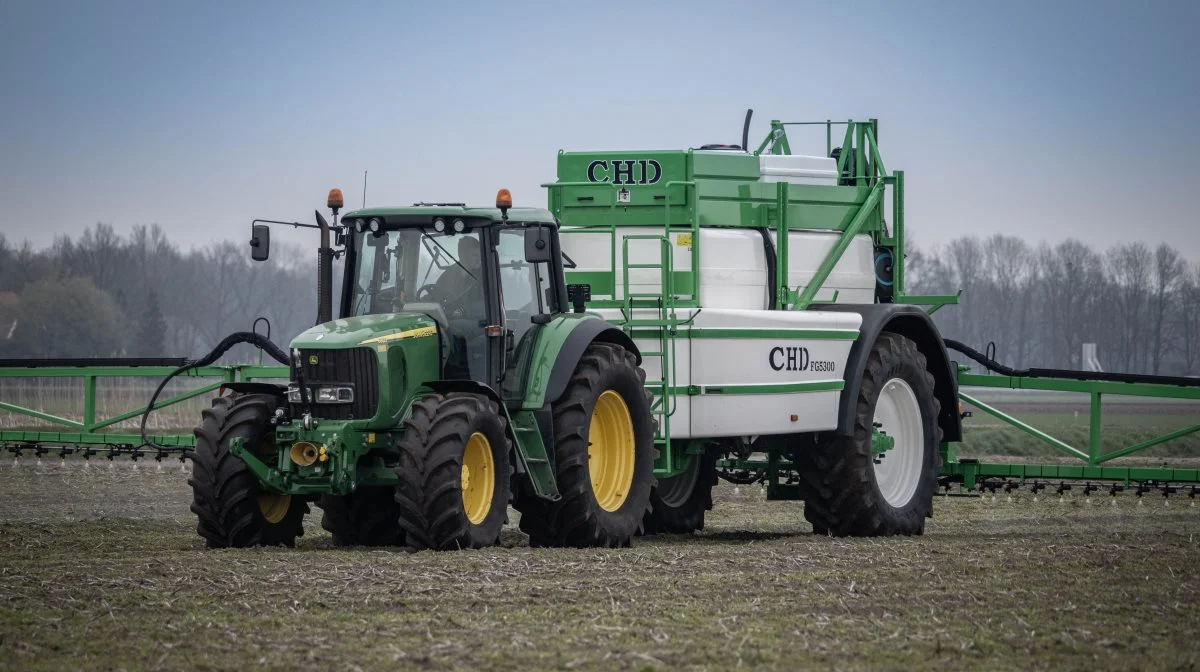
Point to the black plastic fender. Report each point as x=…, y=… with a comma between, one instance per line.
x=588, y=332
x=911, y=322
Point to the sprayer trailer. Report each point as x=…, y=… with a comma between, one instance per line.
x=764, y=291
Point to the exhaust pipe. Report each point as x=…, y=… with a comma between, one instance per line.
x=325, y=259
x=324, y=274
x=746, y=131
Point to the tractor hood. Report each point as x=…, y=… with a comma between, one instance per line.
x=366, y=330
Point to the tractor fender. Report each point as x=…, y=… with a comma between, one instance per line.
x=583, y=335
x=468, y=386
x=915, y=324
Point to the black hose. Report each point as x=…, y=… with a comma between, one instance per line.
x=772, y=271
x=742, y=476
x=987, y=362
x=233, y=339
x=996, y=367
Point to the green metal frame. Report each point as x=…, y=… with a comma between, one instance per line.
x=88, y=432
x=1093, y=460
x=706, y=197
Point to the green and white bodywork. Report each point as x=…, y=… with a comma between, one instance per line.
x=748, y=279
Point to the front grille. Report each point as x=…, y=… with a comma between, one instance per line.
x=355, y=366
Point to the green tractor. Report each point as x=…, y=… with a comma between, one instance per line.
x=460, y=376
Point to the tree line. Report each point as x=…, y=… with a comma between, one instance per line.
x=1040, y=304
x=139, y=295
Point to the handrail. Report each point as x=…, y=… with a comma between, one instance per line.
x=835, y=254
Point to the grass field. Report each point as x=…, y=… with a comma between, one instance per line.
x=100, y=568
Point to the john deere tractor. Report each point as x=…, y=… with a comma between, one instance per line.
x=460, y=375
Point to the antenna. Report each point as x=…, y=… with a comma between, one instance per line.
x=364, y=189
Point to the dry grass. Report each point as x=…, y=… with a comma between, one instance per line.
x=102, y=570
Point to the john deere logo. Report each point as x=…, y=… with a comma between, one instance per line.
x=312, y=359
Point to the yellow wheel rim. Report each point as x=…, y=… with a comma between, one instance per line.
x=274, y=507
x=478, y=478
x=611, y=450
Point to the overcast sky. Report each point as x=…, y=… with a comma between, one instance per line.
x=1045, y=120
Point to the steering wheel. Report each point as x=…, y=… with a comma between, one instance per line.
x=425, y=292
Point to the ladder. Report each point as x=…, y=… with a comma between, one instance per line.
x=654, y=312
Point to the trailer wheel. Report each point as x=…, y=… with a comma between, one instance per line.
x=454, y=473
x=849, y=492
x=368, y=517
x=232, y=507
x=604, y=456
x=678, y=504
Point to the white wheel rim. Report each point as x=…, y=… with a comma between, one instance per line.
x=898, y=471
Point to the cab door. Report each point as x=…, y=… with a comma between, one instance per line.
x=525, y=291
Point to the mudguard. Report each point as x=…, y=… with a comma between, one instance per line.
x=470, y=386
x=584, y=334
x=911, y=322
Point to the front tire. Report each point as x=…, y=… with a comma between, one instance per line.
x=233, y=508
x=454, y=474
x=848, y=492
x=603, y=456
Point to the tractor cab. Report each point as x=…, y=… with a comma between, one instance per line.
x=485, y=276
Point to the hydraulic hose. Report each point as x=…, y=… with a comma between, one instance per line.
x=987, y=362
x=996, y=367
x=233, y=339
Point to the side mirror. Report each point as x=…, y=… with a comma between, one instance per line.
x=537, y=244
x=579, y=295
x=260, y=242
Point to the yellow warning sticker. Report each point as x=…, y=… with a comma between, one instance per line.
x=419, y=332
x=683, y=240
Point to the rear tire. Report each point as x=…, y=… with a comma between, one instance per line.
x=368, y=517
x=678, y=504
x=233, y=508
x=603, y=456
x=454, y=474
x=846, y=492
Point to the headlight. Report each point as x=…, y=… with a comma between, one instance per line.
x=323, y=394
x=439, y=225
x=459, y=226
x=375, y=225
x=335, y=395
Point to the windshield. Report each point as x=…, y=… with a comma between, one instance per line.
x=409, y=269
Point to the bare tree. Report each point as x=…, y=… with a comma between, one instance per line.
x=1169, y=272
x=1130, y=268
